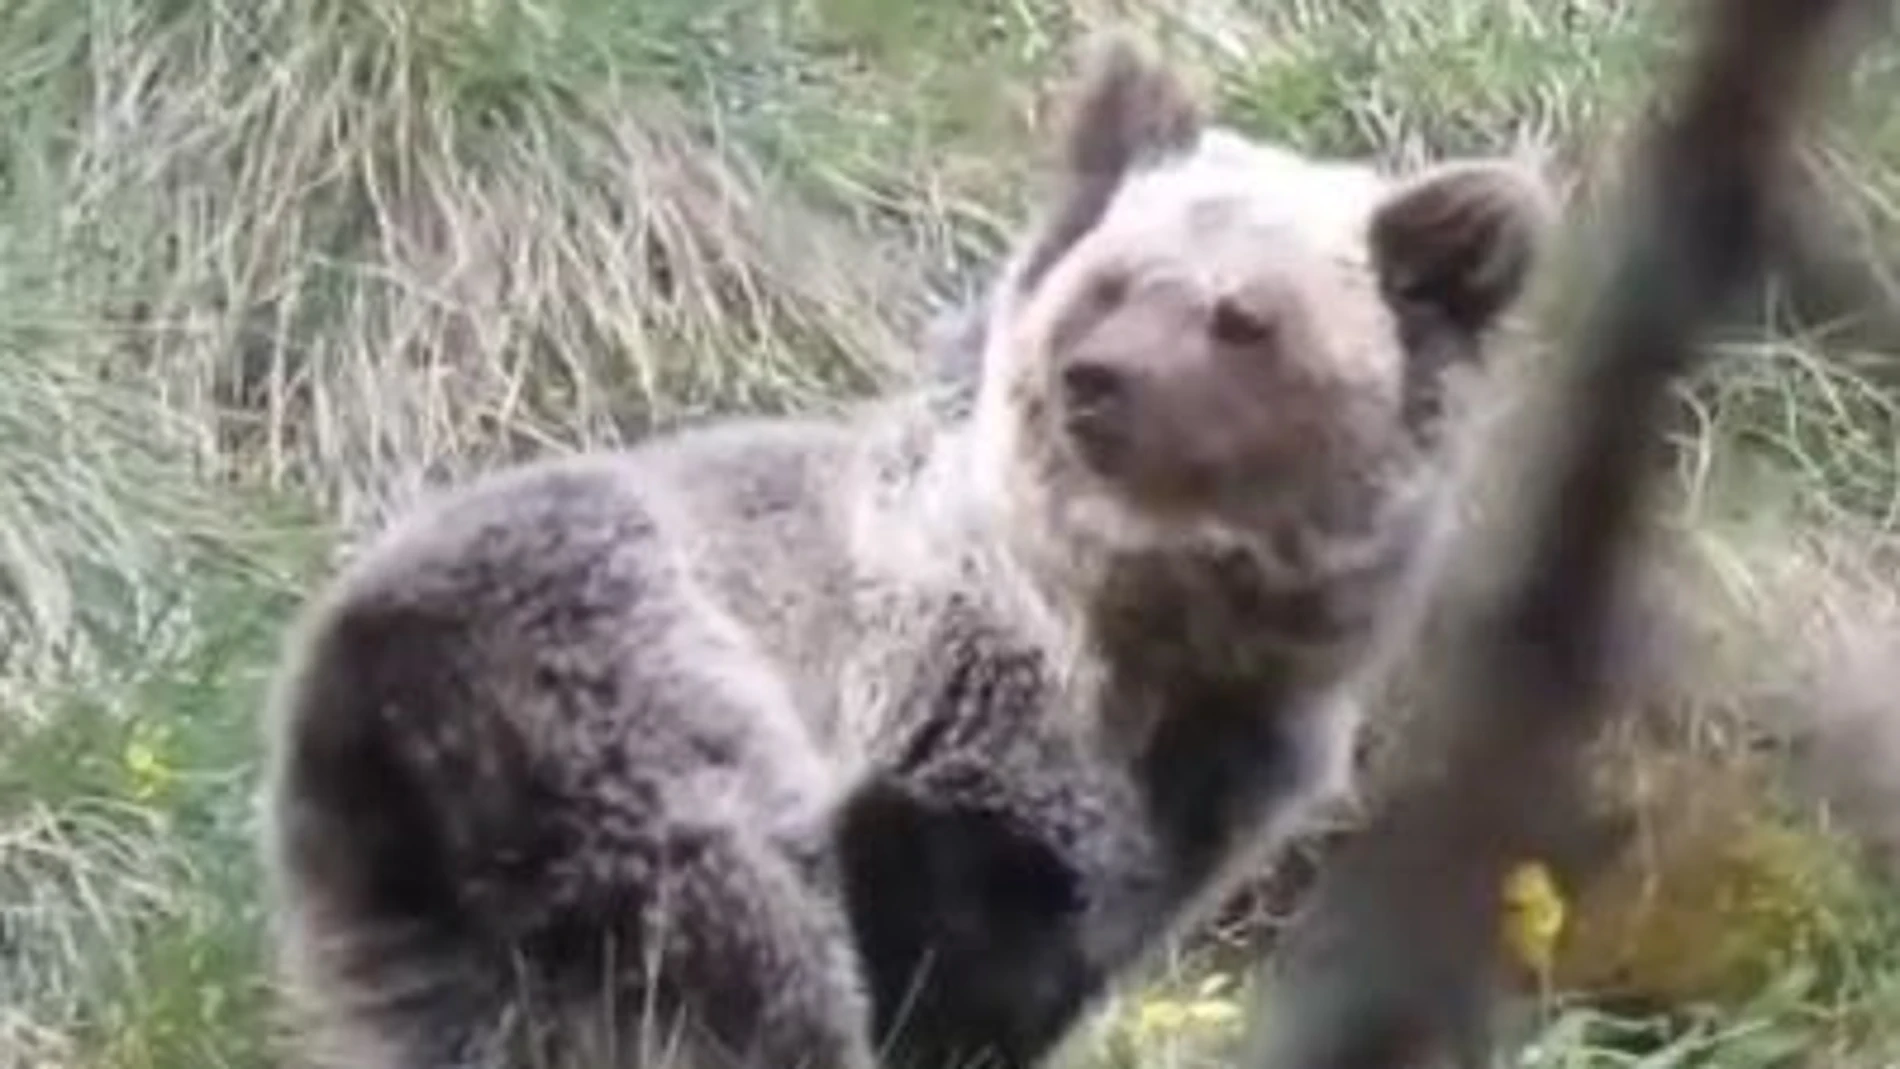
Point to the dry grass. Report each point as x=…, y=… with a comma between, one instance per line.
x=355, y=243
x=268, y=268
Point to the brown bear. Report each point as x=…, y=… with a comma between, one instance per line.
x=892, y=738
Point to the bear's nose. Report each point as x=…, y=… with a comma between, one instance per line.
x=1092, y=388
x=1240, y=323
x=1095, y=412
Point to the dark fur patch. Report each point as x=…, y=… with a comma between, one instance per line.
x=1460, y=239
x=1212, y=771
x=959, y=917
x=1453, y=249
x=970, y=860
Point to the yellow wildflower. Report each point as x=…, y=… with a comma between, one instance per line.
x=1205, y=1008
x=1534, y=916
x=145, y=763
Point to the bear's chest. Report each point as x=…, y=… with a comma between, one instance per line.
x=999, y=867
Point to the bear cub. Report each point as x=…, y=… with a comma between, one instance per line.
x=892, y=738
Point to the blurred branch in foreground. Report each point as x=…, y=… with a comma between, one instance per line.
x=1392, y=963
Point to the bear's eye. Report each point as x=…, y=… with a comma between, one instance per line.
x=1232, y=323
x=1108, y=290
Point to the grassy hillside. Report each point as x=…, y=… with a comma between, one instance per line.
x=267, y=267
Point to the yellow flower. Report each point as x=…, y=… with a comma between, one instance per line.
x=1160, y=1015
x=145, y=763
x=1206, y=1008
x=1534, y=915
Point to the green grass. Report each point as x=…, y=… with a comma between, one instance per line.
x=266, y=267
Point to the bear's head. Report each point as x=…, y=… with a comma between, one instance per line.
x=1208, y=335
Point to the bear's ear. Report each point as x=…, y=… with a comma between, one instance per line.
x=1462, y=238
x=1125, y=110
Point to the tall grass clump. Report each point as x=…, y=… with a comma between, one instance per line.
x=357, y=242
